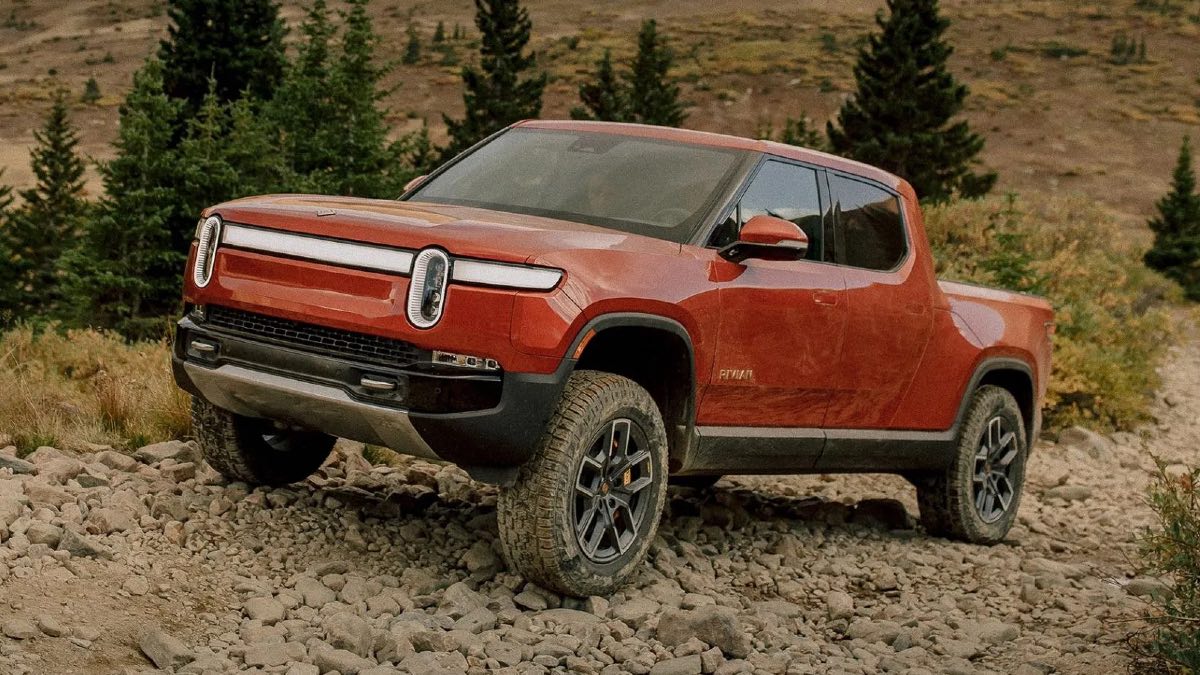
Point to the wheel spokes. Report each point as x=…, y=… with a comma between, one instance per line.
x=608, y=506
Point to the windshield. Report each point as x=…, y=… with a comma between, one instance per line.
x=655, y=188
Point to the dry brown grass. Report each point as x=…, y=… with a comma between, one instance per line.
x=74, y=388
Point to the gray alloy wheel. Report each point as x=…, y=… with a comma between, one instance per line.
x=610, y=491
x=976, y=498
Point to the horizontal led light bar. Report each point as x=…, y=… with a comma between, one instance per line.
x=508, y=276
x=385, y=259
x=330, y=251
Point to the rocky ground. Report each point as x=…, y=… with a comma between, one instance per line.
x=111, y=563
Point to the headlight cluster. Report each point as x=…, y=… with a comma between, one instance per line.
x=208, y=234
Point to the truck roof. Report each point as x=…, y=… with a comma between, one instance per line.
x=722, y=141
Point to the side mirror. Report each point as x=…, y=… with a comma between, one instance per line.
x=768, y=237
x=414, y=182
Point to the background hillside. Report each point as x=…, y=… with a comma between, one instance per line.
x=1058, y=115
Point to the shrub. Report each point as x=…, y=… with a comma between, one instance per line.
x=1171, y=550
x=1111, y=326
x=73, y=388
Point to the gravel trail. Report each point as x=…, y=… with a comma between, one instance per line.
x=115, y=564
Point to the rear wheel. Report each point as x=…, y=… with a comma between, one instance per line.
x=256, y=451
x=584, y=509
x=977, y=497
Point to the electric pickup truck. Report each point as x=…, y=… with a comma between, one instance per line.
x=584, y=312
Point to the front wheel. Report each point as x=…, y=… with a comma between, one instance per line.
x=976, y=498
x=256, y=451
x=584, y=509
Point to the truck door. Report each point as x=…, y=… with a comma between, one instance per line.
x=781, y=321
x=889, y=302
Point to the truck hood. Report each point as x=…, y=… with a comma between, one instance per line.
x=462, y=231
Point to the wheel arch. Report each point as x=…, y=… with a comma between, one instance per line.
x=1015, y=377
x=657, y=353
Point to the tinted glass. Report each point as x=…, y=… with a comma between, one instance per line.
x=643, y=186
x=872, y=230
x=785, y=191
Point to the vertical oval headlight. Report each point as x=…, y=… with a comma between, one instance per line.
x=206, y=250
x=427, y=288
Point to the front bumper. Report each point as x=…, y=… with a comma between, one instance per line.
x=487, y=432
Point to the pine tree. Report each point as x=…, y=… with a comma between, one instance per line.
x=124, y=272
x=902, y=117
x=237, y=42
x=439, y=33
x=334, y=132
x=412, y=50
x=499, y=92
x=1176, y=250
x=800, y=132
x=91, y=91
x=604, y=96
x=6, y=198
x=653, y=94
x=49, y=218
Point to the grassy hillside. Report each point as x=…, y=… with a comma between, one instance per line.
x=1057, y=114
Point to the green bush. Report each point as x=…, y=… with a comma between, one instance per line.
x=1112, y=326
x=1171, y=550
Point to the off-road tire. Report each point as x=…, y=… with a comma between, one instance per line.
x=536, y=516
x=238, y=448
x=946, y=499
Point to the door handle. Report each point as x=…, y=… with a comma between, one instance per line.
x=825, y=298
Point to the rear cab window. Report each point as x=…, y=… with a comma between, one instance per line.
x=870, y=225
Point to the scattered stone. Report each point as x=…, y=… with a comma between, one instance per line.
x=106, y=520
x=116, y=460
x=266, y=610
x=344, y=662
x=82, y=546
x=39, y=532
x=1148, y=587
x=683, y=665
x=164, y=650
x=51, y=626
x=718, y=626
x=176, y=450
x=839, y=605
x=1095, y=445
x=20, y=629
x=1069, y=493
x=17, y=466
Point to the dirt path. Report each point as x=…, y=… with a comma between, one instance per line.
x=379, y=570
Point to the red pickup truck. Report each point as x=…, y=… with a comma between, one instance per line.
x=578, y=312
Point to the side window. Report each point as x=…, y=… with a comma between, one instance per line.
x=871, y=227
x=785, y=191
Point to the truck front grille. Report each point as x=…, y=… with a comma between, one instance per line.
x=312, y=338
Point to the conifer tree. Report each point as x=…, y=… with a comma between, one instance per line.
x=603, y=97
x=1176, y=250
x=902, y=117
x=412, y=50
x=91, y=91
x=49, y=217
x=334, y=132
x=237, y=42
x=439, y=33
x=6, y=198
x=653, y=96
x=502, y=90
x=124, y=271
